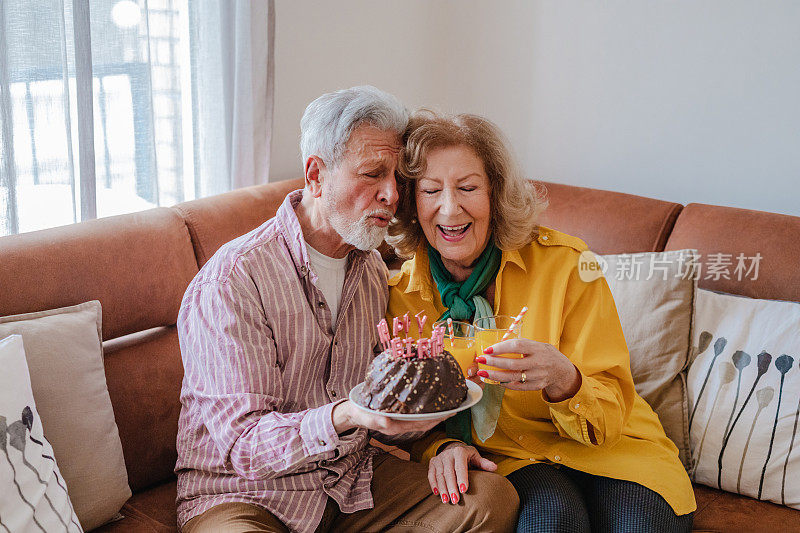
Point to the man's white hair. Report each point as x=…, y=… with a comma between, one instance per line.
x=330, y=119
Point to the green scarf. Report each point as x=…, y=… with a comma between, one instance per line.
x=464, y=302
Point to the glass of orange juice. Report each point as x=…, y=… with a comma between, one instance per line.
x=488, y=331
x=462, y=345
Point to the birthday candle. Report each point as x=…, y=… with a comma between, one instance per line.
x=422, y=348
x=421, y=322
x=397, y=347
x=409, y=343
x=396, y=326
x=383, y=333
x=406, y=324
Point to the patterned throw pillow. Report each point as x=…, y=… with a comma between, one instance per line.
x=744, y=396
x=33, y=494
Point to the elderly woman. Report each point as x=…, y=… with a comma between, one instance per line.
x=565, y=425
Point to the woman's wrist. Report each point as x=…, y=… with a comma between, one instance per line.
x=565, y=387
x=451, y=444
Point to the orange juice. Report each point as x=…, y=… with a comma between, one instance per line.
x=463, y=349
x=487, y=336
x=462, y=345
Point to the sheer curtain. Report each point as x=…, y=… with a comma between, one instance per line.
x=113, y=106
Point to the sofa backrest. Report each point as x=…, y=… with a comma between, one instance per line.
x=137, y=265
x=216, y=220
x=613, y=222
x=731, y=231
x=610, y=222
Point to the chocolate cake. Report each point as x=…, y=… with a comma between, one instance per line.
x=412, y=384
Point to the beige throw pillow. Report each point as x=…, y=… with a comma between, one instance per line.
x=65, y=359
x=654, y=293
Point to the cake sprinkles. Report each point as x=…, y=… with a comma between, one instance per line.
x=412, y=376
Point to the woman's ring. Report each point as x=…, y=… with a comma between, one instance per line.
x=524, y=378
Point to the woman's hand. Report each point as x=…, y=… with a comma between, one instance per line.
x=472, y=374
x=542, y=367
x=447, y=472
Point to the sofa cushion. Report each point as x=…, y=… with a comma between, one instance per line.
x=727, y=230
x=216, y=220
x=744, y=396
x=138, y=266
x=32, y=495
x=610, y=222
x=65, y=359
x=654, y=294
x=722, y=511
x=149, y=511
x=144, y=373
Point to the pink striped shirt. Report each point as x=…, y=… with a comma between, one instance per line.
x=263, y=370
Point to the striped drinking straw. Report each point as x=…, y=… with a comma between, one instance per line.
x=514, y=323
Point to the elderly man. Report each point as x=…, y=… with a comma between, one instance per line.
x=276, y=329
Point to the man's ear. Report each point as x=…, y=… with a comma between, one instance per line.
x=315, y=172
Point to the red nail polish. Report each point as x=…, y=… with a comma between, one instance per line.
x=444, y=499
x=454, y=497
x=488, y=350
x=463, y=488
x=435, y=492
x=483, y=373
x=481, y=360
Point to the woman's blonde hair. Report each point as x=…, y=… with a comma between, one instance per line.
x=516, y=202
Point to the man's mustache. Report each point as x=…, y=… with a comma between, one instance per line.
x=383, y=213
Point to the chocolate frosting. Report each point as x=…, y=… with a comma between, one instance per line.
x=413, y=385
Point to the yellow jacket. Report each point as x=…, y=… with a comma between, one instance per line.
x=606, y=429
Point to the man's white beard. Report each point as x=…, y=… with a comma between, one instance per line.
x=360, y=233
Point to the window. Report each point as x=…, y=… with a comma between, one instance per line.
x=105, y=105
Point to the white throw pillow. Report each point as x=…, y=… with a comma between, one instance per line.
x=65, y=358
x=744, y=396
x=33, y=495
x=654, y=292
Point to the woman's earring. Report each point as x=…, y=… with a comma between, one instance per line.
x=414, y=220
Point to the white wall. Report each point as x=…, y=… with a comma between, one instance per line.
x=682, y=100
x=323, y=46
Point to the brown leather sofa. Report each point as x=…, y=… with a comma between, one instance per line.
x=139, y=265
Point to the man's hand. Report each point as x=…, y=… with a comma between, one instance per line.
x=347, y=416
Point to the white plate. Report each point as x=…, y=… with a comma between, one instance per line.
x=474, y=394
